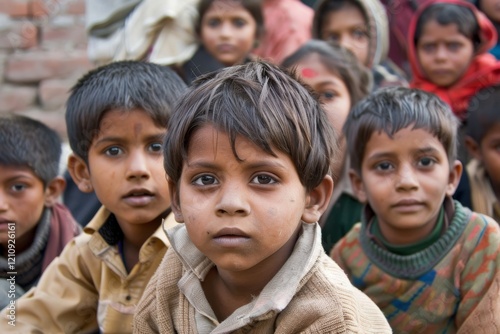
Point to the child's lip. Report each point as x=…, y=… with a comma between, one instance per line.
x=230, y=232
x=225, y=47
x=138, y=192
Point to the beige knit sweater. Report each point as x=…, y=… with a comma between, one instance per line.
x=310, y=294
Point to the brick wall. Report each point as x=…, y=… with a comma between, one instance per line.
x=42, y=54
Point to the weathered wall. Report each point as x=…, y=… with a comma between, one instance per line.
x=42, y=54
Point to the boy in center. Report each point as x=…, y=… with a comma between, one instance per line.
x=247, y=158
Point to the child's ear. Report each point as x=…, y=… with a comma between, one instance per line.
x=454, y=178
x=357, y=186
x=54, y=190
x=175, y=205
x=317, y=200
x=80, y=173
x=473, y=148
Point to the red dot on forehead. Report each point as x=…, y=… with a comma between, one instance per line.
x=308, y=73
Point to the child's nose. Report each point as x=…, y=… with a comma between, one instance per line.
x=441, y=52
x=226, y=30
x=232, y=201
x=138, y=167
x=406, y=178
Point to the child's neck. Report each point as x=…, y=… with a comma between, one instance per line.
x=134, y=237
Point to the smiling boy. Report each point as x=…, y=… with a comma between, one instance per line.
x=429, y=263
x=247, y=158
x=117, y=116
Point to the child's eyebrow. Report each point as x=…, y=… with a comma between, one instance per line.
x=252, y=165
x=111, y=139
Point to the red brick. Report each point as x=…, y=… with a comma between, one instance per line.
x=16, y=8
x=75, y=7
x=39, y=65
x=53, y=93
x=19, y=35
x=47, y=8
x=73, y=36
x=16, y=98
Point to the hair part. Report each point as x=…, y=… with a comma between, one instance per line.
x=26, y=142
x=482, y=113
x=125, y=86
x=262, y=103
x=392, y=109
x=340, y=62
x=254, y=7
x=447, y=13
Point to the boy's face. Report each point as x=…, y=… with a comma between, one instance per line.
x=243, y=214
x=444, y=53
x=489, y=154
x=22, y=200
x=405, y=180
x=228, y=32
x=125, y=168
x=348, y=27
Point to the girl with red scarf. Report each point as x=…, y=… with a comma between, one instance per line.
x=448, y=52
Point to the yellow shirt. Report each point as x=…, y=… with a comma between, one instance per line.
x=87, y=288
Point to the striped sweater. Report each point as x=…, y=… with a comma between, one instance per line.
x=452, y=285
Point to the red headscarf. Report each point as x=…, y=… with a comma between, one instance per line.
x=483, y=71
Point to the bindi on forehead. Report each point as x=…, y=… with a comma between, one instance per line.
x=308, y=73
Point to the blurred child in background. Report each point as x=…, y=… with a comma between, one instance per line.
x=339, y=80
x=228, y=31
x=362, y=27
x=448, y=52
x=483, y=143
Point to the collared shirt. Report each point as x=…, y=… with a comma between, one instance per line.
x=88, y=288
x=309, y=294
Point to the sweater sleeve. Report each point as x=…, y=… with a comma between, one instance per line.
x=64, y=301
x=480, y=281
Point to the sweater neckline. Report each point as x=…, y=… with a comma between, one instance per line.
x=415, y=265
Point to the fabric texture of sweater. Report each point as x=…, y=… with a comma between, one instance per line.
x=310, y=294
x=87, y=288
x=483, y=71
x=451, y=286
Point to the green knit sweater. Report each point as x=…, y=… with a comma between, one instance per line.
x=450, y=285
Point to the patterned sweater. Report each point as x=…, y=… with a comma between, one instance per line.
x=452, y=285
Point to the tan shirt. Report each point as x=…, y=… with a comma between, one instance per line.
x=87, y=288
x=310, y=294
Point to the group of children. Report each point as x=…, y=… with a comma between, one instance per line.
x=265, y=241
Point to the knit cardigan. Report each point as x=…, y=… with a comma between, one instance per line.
x=310, y=294
x=452, y=285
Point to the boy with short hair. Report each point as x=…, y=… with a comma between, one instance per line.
x=117, y=116
x=430, y=264
x=483, y=142
x=247, y=159
x=34, y=226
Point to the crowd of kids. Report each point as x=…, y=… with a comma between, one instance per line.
x=116, y=117
x=263, y=166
